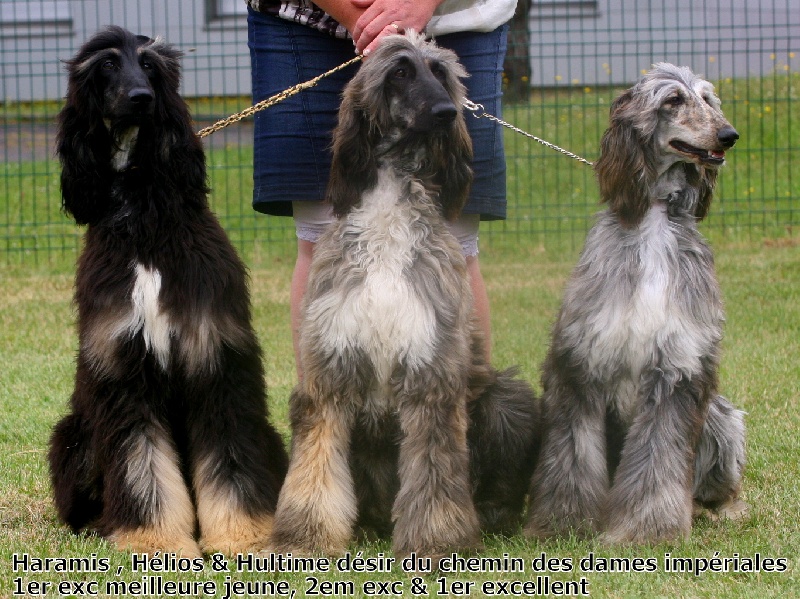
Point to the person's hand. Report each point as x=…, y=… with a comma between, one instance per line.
x=385, y=17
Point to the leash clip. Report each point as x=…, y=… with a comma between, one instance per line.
x=477, y=109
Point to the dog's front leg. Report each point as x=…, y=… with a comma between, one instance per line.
x=317, y=504
x=433, y=510
x=147, y=505
x=237, y=460
x=651, y=497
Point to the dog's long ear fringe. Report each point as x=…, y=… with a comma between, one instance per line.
x=173, y=138
x=621, y=169
x=353, y=167
x=456, y=174
x=83, y=146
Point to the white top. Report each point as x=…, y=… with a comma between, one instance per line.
x=451, y=16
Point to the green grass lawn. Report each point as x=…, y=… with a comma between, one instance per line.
x=760, y=374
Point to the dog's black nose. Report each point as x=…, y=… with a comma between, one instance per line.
x=727, y=136
x=443, y=113
x=141, y=96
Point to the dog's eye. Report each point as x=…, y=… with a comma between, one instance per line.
x=712, y=101
x=674, y=100
x=400, y=73
x=438, y=71
x=109, y=65
x=147, y=65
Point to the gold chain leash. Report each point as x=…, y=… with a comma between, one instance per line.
x=476, y=109
x=272, y=100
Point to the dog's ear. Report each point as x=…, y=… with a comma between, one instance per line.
x=708, y=180
x=170, y=109
x=353, y=167
x=172, y=119
x=83, y=145
x=622, y=167
x=456, y=173
x=171, y=133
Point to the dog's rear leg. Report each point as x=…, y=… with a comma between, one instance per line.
x=317, y=505
x=373, y=462
x=719, y=461
x=504, y=439
x=570, y=483
x=651, y=497
x=238, y=460
x=433, y=511
x=74, y=473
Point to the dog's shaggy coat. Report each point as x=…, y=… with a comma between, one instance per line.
x=168, y=435
x=634, y=427
x=398, y=419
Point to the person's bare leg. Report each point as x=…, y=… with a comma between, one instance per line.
x=305, y=251
x=481, y=303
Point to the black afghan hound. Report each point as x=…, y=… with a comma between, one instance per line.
x=167, y=446
x=634, y=427
x=398, y=419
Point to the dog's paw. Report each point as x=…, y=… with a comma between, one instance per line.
x=235, y=533
x=735, y=509
x=541, y=528
x=640, y=533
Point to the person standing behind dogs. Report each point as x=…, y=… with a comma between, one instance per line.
x=295, y=40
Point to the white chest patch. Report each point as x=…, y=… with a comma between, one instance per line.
x=648, y=328
x=383, y=315
x=621, y=329
x=146, y=314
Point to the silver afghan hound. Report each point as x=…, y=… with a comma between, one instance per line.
x=634, y=429
x=399, y=426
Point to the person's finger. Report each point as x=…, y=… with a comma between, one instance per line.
x=390, y=29
x=366, y=35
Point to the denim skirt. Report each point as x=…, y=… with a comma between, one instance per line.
x=292, y=139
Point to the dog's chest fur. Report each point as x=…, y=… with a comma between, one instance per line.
x=179, y=319
x=631, y=305
x=380, y=299
x=143, y=313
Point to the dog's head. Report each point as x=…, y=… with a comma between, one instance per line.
x=404, y=106
x=123, y=110
x=123, y=78
x=670, y=116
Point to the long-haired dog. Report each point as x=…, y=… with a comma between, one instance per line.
x=634, y=427
x=399, y=425
x=168, y=436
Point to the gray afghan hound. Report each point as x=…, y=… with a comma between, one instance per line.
x=398, y=419
x=634, y=427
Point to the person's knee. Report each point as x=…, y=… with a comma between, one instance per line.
x=465, y=230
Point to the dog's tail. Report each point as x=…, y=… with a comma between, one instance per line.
x=504, y=437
